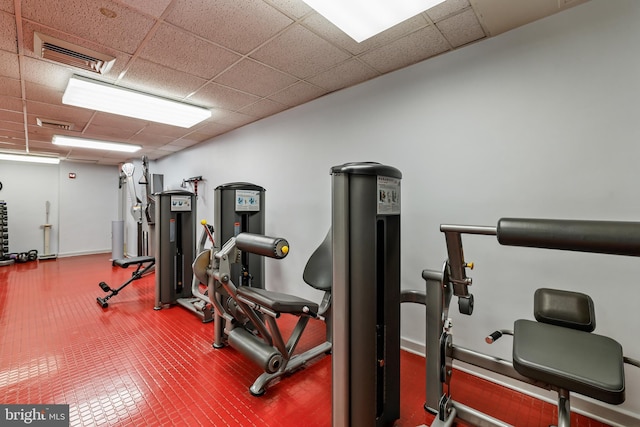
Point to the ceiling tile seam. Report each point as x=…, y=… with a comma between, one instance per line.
x=434, y=24
x=144, y=12
x=485, y=29
x=147, y=38
x=285, y=13
x=20, y=48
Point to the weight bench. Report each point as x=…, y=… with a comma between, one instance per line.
x=249, y=315
x=144, y=265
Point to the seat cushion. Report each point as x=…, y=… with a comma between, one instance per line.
x=577, y=361
x=276, y=301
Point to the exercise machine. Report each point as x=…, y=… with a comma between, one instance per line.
x=366, y=283
x=556, y=352
x=239, y=208
x=144, y=265
x=175, y=251
x=249, y=314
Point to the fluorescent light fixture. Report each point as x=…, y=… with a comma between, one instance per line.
x=362, y=19
x=70, y=141
x=95, y=95
x=29, y=158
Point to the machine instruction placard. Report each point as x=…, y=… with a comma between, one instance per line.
x=180, y=203
x=388, y=196
x=247, y=201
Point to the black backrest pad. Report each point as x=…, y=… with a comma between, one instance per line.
x=606, y=237
x=319, y=269
x=564, y=308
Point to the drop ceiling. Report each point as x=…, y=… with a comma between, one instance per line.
x=243, y=59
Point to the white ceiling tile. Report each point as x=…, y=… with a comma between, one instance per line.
x=108, y=133
x=239, y=25
x=321, y=26
x=7, y=6
x=46, y=73
x=10, y=87
x=297, y=94
x=408, y=50
x=11, y=116
x=150, y=139
x=447, y=8
x=174, y=132
x=78, y=116
x=11, y=126
x=9, y=137
x=9, y=65
x=113, y=120
x=294, y=8
x=10, y=103
x=158, y=80
x=183, y=51
x=346, y=74
x=40, y=93
x=253, y=77
x=264, y=108
x=151, y=7
x=461, y=29
x=83, y=18
x=215, y=95
x=231, y=118
x=8, y=34
x=300, y=52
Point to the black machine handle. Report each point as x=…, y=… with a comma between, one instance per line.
x=606, y=237
x=272, y=247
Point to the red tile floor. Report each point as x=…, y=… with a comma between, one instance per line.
x=130, y=365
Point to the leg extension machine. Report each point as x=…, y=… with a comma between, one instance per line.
x=558, y=351
x=249, y=314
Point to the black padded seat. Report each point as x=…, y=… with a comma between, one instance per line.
x=126, y=262
x=276, y=301
x=578, y=361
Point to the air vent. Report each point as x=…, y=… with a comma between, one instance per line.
x=63, y=52
x=54, y=124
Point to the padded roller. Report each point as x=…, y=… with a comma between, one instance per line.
x=256, y=350
x=272, y=247
x=605, y=237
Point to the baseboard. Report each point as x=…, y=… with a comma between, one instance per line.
x=614, y=416
x=80, y=253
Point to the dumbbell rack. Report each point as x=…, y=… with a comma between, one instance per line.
x=4, y=235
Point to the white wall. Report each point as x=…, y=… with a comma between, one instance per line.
x=81, y=209
x=88, y=205
x=26, y=189
x=538, y=122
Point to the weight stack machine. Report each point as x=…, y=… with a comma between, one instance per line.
x=239, y=208
x=366, y=294
x=175, y=223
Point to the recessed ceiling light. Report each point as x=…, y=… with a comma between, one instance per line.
x=100, y=96
x=70, y=141
x=362, y=19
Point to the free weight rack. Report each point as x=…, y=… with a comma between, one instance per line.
x=4, y=236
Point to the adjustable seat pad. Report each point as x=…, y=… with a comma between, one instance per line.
x=578, y=361
x=126, y=262
x=276, y=301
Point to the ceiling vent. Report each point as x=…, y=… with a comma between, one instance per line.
x=54, y=124
x=63, y=52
